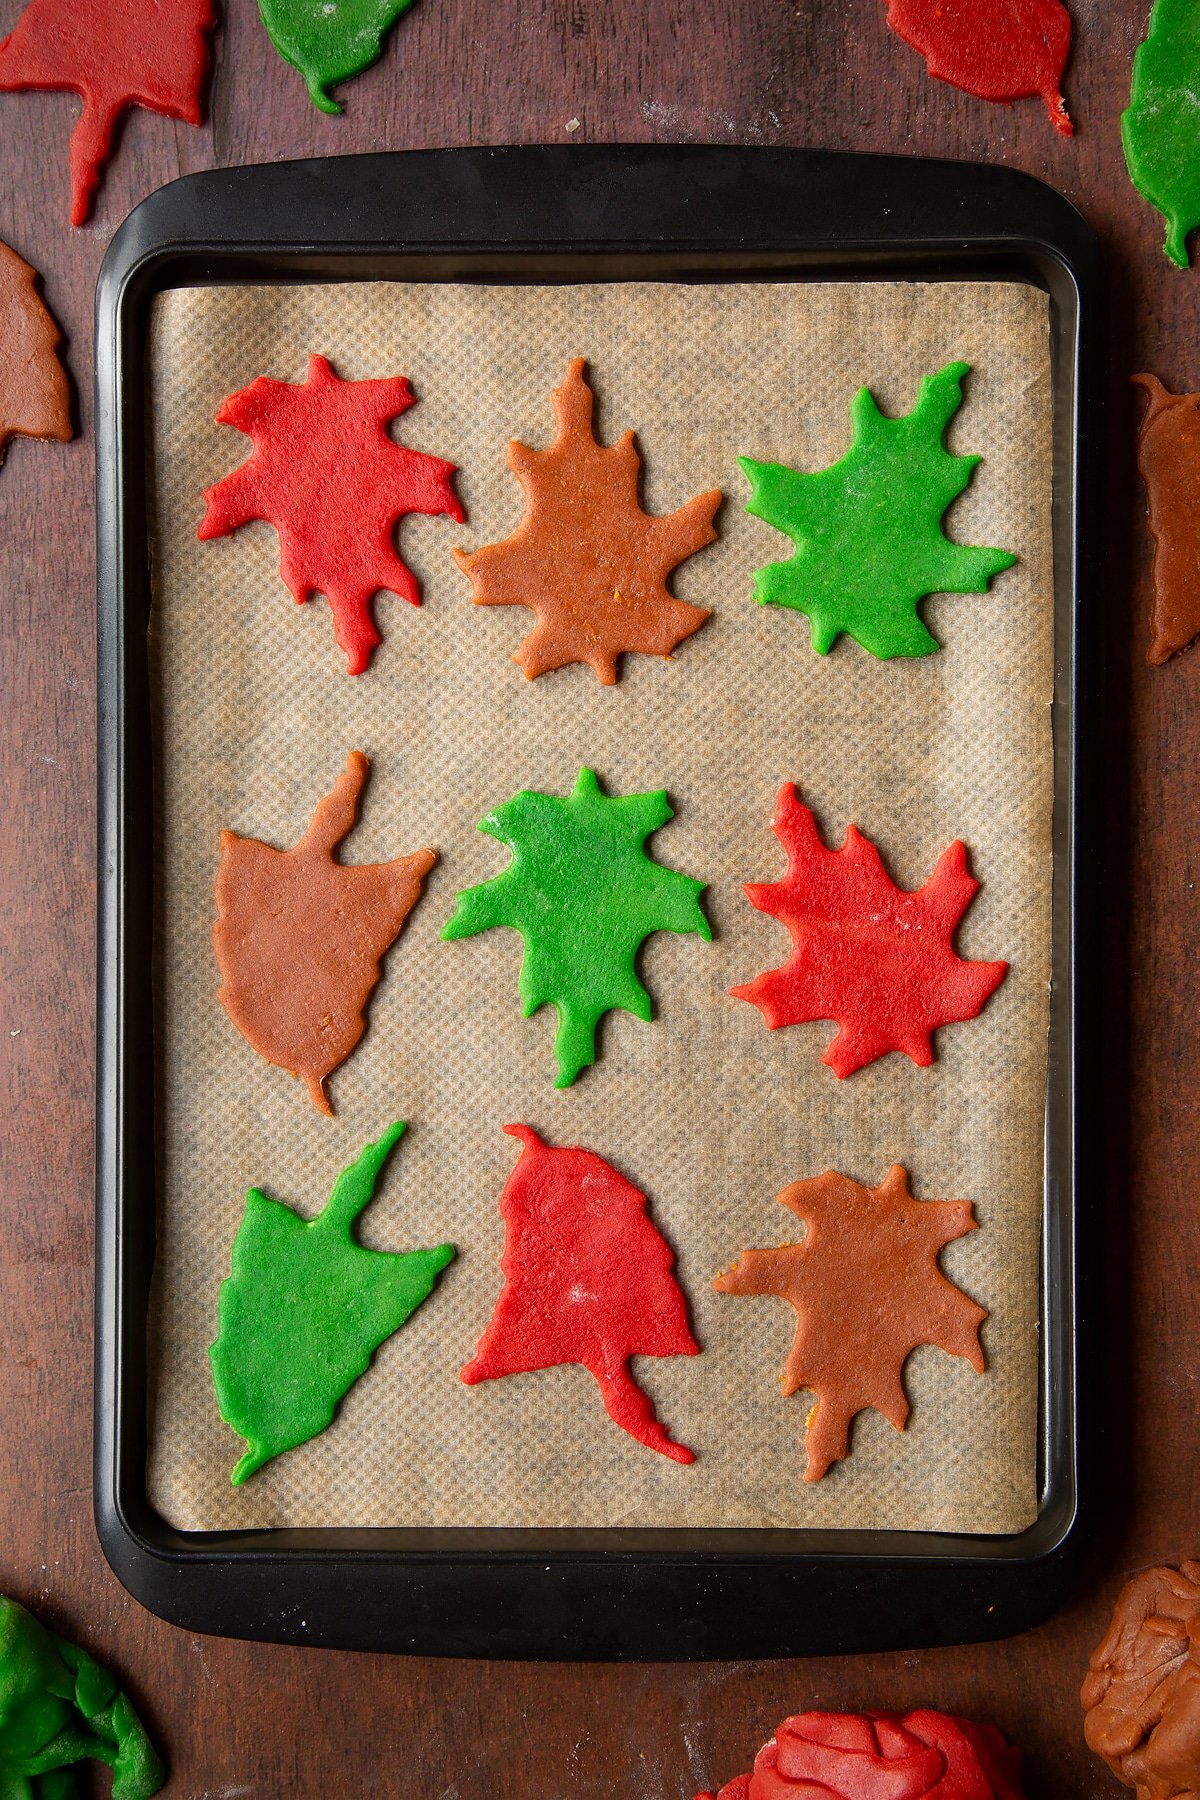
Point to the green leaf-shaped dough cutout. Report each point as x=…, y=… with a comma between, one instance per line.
x=305, y=1309
x=1161, y=126
x=330, y=40
x=867, y=530
x=583, y=893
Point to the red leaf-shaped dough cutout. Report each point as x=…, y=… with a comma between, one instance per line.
x=326, y=474
x=587, y=1279
x=114, y=54
x=1006, y=50
x=875, y=958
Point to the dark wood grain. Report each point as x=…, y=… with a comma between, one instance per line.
x=247, y=1720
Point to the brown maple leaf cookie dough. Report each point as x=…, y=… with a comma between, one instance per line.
x=34, y=397
x=300, y=937
x=866, y=1290
x=1141, y=1694
x=586, y=558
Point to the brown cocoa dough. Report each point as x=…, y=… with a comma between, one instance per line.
x=1169, y=463
x=1141, y=1695
x=34, y=397
x=299, y=937
x=586, y=558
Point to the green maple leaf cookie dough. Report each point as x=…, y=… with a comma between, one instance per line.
x=867, y=530
x=330, y=40
x=1160, y=128
x=583, y=894
x=306, y=1308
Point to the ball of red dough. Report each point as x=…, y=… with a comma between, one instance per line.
x=880, y=1756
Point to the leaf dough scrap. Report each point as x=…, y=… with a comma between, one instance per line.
x=587, y=1279
x=1160, y=128
x=881, y=1756
x=330, y=42
x=300, y=937
x=867, y=530
x=866, y=1289
x=34, y=397
x=304, y=1310
x=586, y=558
x=877, y=959
x=326, y=474
x=584, y=893
x=59, y=1707
x=114, y=54
x=1169, y=463
x=1008, y=51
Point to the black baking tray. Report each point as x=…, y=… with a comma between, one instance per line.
x=578, y=213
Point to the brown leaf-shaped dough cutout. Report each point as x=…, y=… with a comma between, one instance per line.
x=1169, y=462
x=34, y=398
x=299, y=937
x=586, y=558
x=867, y=1290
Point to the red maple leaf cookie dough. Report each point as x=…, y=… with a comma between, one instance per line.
x=877, y=959
x=585, y=558
x=1169, y=463
x=587, y=1279
x=866, y=1289
x=114, y=54
x=34, y=397
x=1007, y=50
x=300, y=937
x=325, y=473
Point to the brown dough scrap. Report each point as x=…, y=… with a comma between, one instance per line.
x=1169, y=462
x=1141, y=1694
x=585, y=558
x=34, y=398
x=299, y=937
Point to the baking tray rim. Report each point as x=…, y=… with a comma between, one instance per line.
x=464, y=213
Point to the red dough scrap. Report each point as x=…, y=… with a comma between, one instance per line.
x=334, y=484
x=587, y=1279
x=114, y=54
x=925, y=1755
x=874, y=957
x=1006, y=50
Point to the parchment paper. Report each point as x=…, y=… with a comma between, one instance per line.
x=709, y=1113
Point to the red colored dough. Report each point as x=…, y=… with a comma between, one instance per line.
x=877, y=959
x=925, y=1755
x=587, y=1279
x=326, y=473
x=114, y=54
x=1005, y=50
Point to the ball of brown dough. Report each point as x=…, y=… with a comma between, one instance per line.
x=1141, y=1696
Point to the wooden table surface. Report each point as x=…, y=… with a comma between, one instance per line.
x=245, y=1719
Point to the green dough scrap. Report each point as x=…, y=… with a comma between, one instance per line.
x=58, y=1706
x=1160, y=128
x=583, y=893
x=867, y=530
x=330, y=40
x=306, y=1308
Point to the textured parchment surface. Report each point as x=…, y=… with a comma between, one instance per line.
x=704, y=1109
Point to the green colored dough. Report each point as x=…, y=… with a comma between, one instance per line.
x=330, y=40
x=867, y=530
x=1160, y=128
x=583, y=894
x=58, y=1706
x=305, y=1309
